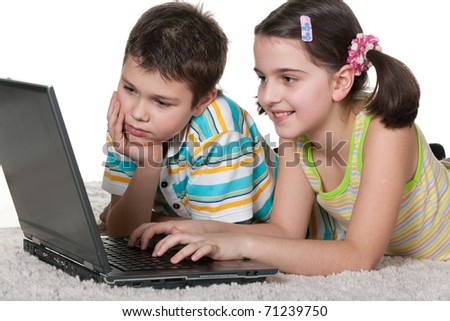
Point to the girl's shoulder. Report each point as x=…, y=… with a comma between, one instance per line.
x=395, y=146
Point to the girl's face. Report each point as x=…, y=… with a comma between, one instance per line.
x=156, y=109
x=295, y=93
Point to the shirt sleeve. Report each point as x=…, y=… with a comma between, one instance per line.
x=230, y=179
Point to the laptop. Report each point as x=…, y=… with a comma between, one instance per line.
x=54, y=212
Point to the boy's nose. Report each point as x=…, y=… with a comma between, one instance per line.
x=140, y=111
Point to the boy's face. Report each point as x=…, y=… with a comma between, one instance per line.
x=155, y=109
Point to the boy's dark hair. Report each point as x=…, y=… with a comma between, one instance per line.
x=396, y=95
x=182, y=43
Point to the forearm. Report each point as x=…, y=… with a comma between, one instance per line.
x=197, y=226
x=135, y=206
x=309, y=257
x=165, y=218
x=268, y=229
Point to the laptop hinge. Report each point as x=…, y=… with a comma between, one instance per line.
x=88, y=265
x=36, y=240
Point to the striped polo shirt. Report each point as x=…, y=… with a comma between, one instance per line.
x=221, y=169
x=422, y=229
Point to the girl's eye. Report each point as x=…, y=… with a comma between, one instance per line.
x=261, y=78
x=289, y=79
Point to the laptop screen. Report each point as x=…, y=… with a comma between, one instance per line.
x=42, y=175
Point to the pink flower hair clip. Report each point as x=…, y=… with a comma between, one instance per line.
x=357, y=52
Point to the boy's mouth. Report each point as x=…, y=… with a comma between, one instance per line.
x=137, y=132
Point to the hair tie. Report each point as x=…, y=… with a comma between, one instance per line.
x=357, y=52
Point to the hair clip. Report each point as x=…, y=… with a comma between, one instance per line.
x=306, y=26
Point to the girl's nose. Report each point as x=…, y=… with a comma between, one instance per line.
x=269, y=95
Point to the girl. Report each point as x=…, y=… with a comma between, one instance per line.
x=359, y=155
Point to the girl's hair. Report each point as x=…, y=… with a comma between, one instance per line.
x=182, y=43
x=395, y=98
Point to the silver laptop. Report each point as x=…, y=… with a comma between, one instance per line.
x=56, y=217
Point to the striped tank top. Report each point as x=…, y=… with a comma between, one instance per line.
x=422, y=229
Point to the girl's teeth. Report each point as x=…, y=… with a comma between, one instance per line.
x=282, y=114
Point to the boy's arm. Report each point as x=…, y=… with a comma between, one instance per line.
x=135, y=206
x=158, y=218
x=104, y=214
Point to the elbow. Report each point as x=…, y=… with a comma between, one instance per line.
x=358, y=258
x=368, y=264
x=366, y=261
x=356, y=264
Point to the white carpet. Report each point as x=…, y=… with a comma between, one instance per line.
x=23, y=277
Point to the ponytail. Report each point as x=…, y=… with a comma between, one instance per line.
x=395, y=98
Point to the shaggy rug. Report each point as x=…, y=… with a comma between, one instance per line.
x=23, y=277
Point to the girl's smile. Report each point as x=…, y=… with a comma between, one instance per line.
x=279, y=116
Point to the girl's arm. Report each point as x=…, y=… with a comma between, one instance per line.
x=390, y=159
x=294, y=197
x=284, y=221
x=389, y=162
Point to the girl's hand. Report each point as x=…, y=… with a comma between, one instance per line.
x=218, y=246
x=146, y=231
x=150, y=154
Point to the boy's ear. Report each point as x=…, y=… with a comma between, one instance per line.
x=205, y=102
x=343, y=82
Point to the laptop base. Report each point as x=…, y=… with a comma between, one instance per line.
x=65, y=264
x=83, y=274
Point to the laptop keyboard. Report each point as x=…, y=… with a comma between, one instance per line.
x=134, y=259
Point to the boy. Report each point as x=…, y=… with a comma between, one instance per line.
x=177, y=147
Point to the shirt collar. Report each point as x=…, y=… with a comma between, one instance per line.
x=177, y=142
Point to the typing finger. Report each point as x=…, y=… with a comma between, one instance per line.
x=195, y=250
x=151, y=231
x=170, y=241
x=137, y=233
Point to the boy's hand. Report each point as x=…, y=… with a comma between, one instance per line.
x=150, y=154
x=116, y=120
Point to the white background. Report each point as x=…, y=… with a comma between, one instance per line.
x=77, y=46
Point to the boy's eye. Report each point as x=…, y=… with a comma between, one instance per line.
x=261, y=78
x=162, y=103
x=129, y=89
